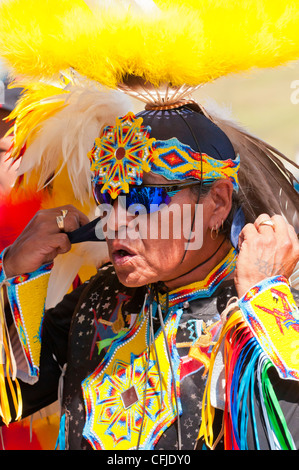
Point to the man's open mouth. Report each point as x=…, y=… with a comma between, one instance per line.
x=122, y=254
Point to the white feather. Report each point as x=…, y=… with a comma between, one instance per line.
x=67, y=266
x=67, y=137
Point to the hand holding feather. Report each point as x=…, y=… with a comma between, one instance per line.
x=265, y=251
x=42, y=240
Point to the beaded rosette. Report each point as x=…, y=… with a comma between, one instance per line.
x=121, y=155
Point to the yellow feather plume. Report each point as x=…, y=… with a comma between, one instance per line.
x=55, y=127
x=38, y=102
x=180, y=42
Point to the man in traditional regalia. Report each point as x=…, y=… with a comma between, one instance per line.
x=184, y=341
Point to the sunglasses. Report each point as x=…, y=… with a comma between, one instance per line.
x=145, y=198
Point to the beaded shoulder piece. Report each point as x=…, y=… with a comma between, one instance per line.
x=26, y=294
x=260, y=331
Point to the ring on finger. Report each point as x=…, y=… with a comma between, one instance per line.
x=60, y=219
x=269, y=223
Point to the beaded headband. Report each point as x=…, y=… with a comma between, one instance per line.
x=124, y=152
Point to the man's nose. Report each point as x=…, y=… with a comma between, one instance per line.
x=117, y=220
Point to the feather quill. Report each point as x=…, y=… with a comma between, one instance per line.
x=265, y=182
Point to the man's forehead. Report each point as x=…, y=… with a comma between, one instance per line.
x=152, y=178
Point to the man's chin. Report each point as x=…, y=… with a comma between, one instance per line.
x=132, y=279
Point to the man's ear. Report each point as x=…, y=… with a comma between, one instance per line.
x=221, y=199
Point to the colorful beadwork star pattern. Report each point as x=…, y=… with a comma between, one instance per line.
x=273, y=317
x=121, y=422
x=121, y=155
x=109, y=424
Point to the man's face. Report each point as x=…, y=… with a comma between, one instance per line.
x=154, y=249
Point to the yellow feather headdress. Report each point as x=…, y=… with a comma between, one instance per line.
x=177, y=42
x=156, y=51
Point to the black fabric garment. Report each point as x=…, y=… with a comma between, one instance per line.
x=69, y=336
x=99, y=299
x=207, y=311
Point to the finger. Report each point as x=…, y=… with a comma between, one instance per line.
x=286, y=238
x=258, y=223
x=64, y=244
x=293, y=235
x=58, y=243
x=295, y=242
x=82, y=218
x=281, y=229
x=71, y=221
x=249, y=230
x=43, y=223
x=247, y=233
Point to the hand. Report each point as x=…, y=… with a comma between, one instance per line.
x=41, y=241
x=265, y=251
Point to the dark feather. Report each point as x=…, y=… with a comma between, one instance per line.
x=266, y=184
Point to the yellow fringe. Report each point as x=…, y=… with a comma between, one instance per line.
x=8, y=371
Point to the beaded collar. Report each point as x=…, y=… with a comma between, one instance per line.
x=206, y=287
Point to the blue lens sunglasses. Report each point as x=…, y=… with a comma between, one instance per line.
x=147, y=196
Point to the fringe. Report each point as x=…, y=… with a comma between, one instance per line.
x=245, y=365
x=8, y=370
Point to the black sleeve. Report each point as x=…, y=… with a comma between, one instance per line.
x=55, y=332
